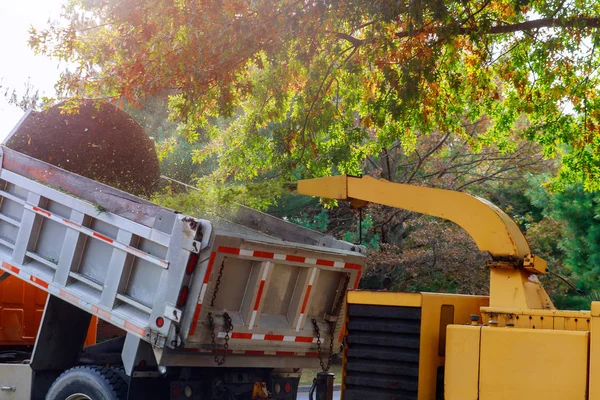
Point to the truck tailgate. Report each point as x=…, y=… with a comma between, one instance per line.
x=274, y=293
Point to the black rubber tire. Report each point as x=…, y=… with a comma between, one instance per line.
x=96, y=382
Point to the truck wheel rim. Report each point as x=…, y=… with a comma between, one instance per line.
x=78, y=396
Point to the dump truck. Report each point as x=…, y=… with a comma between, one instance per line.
x=223, y=308
x=513, y=344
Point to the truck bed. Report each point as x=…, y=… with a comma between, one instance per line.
x=159, y=275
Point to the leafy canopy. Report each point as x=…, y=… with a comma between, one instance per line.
x=316, y=86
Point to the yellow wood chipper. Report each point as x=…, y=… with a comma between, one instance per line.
x=513, y=344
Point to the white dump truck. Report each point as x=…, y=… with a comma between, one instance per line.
x=227, y=309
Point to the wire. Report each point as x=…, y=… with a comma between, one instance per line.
x=579, y=291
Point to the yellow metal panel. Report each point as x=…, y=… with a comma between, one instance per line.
x=536, y=264
x=547, y=323
x=525, y=364
x=506, y=287
x=578, y=324
x=430, y=358
x=594, y=382
x=595, y=309
x=384, y=298
x=331, y=187
x=461, y=378
x=570, y=324
x=541, y=322
x=525, y=311
x=538, y=319
x=516, y=289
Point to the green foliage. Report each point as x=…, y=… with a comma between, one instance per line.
x=318, y=223
x=312, y=88
x=217, y=198
x=175, y=152
x=511, y=196
x=441, y=283
x=293, y=205
x=571, y=302
x=568, y=237
x=580, y=211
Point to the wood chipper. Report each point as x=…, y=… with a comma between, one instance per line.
x=513, y=344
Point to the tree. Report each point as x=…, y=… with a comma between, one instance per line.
x=325, y=83
x=577, y=213
x=436, y=257
x=446, y=162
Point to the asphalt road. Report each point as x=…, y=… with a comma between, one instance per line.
x=304, y=396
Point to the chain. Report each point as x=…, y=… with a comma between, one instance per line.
x=228, y=328
x=226, y=319
x=217, y=284
x=325, y=369
x=332, y=324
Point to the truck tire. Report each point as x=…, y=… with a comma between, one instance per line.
x=91, y=382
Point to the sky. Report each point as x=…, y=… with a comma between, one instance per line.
x=17, y=61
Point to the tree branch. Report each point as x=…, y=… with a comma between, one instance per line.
x=373, y=163
x=354, y=41
x=573, y=22
x=483, y=6
x=493, y=176
x=429, y=153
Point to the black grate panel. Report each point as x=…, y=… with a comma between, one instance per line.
x=382, y=356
